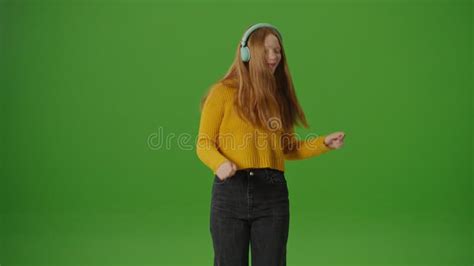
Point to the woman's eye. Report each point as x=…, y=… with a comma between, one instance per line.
x=275, y=51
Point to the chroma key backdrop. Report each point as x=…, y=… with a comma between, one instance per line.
x=100, y=114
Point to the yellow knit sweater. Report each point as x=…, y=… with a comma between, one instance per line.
x=223, y=135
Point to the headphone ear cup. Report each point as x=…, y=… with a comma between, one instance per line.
x=245, y=53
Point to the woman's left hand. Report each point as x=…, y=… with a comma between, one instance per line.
x=335, y=140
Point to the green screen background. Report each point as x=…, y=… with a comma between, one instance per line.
x=87, y=87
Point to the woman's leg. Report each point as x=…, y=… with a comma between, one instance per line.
x=229, y=226
x=270, y=219
x=269, y=237
x=230, y=238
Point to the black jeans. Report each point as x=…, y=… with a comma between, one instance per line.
x=250, y=207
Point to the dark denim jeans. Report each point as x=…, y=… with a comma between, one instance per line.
x=250, y=207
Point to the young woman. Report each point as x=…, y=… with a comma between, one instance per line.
x=245, y=135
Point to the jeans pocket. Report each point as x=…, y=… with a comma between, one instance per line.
x=277, y=177
x=218, y=181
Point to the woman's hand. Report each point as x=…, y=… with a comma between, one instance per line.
x=335, y=140
x=226, y=169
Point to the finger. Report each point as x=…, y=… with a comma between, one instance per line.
x=231, y=172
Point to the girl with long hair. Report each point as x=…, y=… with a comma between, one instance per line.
x=246, y=133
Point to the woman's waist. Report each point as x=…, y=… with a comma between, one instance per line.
x=259, y=170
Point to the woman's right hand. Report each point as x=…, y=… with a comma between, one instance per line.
x=226, y=169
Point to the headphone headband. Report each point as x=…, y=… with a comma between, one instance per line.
x=247, y=33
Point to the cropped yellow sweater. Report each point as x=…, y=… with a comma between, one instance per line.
x=223, y=136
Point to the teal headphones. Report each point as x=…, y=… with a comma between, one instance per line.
x=244, y=50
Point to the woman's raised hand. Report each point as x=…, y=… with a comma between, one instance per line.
x=226, y=169
x=335, y=140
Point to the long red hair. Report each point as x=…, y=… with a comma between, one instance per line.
x=267, y=100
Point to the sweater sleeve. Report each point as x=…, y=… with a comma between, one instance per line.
x=303, y=149
x=211, y=118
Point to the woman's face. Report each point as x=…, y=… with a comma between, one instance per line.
x=272, y=51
